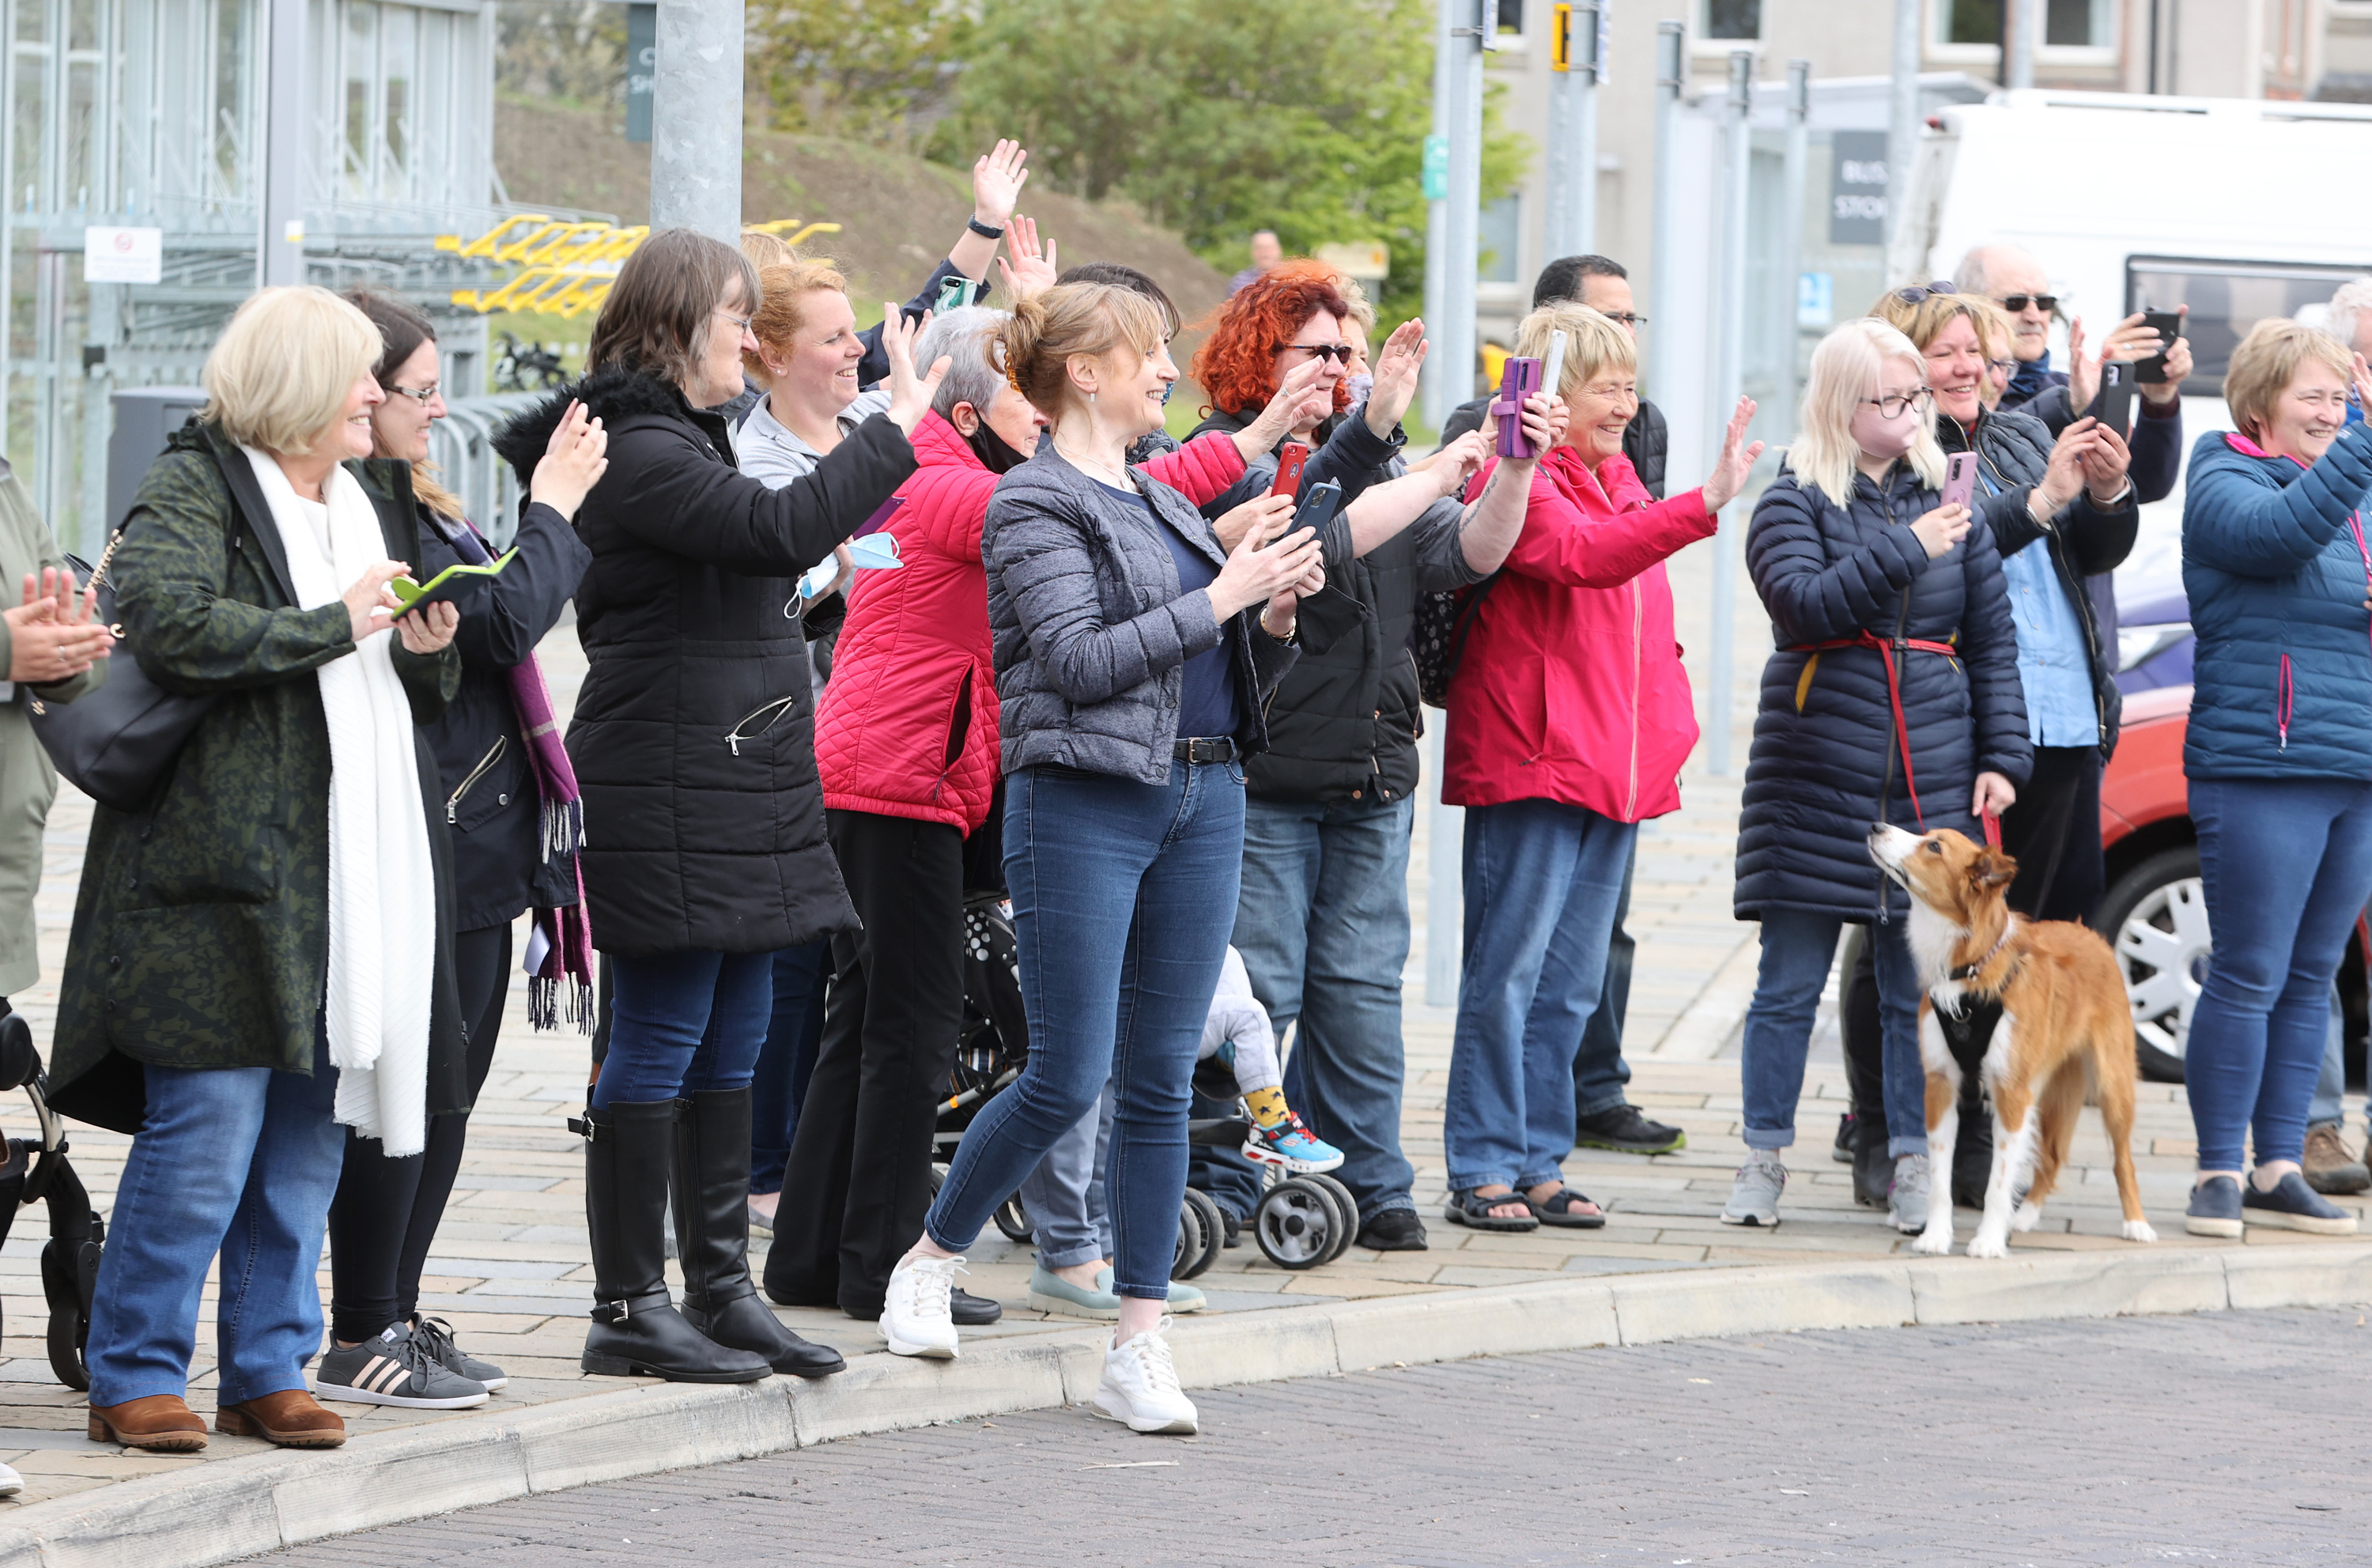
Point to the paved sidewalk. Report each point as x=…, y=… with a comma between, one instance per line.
x=511, y=1268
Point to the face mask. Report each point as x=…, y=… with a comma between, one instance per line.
x=994, y=453
x=1361, y=385
x=1882, y=437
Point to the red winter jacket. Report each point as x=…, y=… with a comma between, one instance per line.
x=1570, y=687
x=908, y=723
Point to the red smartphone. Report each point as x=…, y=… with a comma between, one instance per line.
x=1960, y=478
x=1289, y=464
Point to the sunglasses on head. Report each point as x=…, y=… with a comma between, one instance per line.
x=1915, y=295
x=2014, y=303
x=1321, y=350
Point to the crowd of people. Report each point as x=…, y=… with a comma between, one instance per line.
x=882, y=624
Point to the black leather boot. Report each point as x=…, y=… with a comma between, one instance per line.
x=1872, y=1170
x=636, y=1329
x=712, y=1228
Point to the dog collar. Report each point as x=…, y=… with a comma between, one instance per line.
x=1969, y=971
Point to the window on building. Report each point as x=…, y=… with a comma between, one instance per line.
x=2078, y=24
x=1502, y=237
x=1732, y=20
x=1511, y=17
x=1969, y=21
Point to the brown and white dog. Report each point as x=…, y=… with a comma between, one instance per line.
x=2066, y=1036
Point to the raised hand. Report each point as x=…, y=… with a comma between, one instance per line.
x=573, y=461
x=1736, y=460
x=371, y=605
x=1029, y=271
x=2363, y=378
x=2064, y=475
x=1298, y=400
x=1395, y=372
x=998, y=177
x=2104, y=462
x=910, y=395
x=1463, y=459
x=2083, y=373
x=52, y=636
x=1262, y=516
x=1940, y=530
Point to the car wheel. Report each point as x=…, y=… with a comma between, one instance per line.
x=2156, y=918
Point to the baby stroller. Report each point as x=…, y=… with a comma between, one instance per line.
x=36, y=1172
x=1301, y=1221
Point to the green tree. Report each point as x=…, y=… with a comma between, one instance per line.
x=875, y=71
x=1217, y=118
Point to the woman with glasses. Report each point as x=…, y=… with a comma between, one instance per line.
x=2279, y=750
x=1882, y=603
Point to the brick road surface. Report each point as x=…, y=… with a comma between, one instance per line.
x=2125, y=1441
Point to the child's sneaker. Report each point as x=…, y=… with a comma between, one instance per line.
x=1293, y=1146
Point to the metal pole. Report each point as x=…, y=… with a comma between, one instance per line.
x=1738, y=166
x=1437, y=380
x=1791, y=234
x=280, y=234
x=1556, y=227
x=696, y=118
x=1464, y=23
x=2019, y=69
x=1589, y=24
x=1903, y=128
x=1663, y=261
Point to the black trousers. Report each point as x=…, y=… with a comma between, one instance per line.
x=2054, y=833
x=858, y=1181
x=386, y=1210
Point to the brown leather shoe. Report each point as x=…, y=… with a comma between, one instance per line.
x=290, y=1418
x=2331, y=1167
x=161, y=1423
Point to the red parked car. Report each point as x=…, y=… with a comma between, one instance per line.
x=2154, y=913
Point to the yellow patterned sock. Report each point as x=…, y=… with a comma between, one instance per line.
x=1268, y=1107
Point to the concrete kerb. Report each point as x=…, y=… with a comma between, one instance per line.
x=232, y=1508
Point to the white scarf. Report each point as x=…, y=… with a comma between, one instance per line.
x=382, y=891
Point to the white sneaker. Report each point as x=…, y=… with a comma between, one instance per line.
x=916, y=1314
x=1140, y=1387
x=11, y=1482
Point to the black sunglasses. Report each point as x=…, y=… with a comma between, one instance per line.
x=2014, y=303
x=1321, y=350
x=1915, y=294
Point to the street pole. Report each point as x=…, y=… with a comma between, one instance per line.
x=1573, y=128
x=280, y=229
x=1438, y=381
x=1791, y=234
x=1663, y=261
x=1465, y=30
x=1737, y=167
x=1902, y=129
x=2019, y=70
x=696, y=119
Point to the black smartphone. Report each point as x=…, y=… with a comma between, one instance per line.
x=2116, y=399
x=2167, y=325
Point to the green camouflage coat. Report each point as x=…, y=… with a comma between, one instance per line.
x=202, y=931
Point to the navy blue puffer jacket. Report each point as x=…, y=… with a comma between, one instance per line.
x=2277, y=577
x=1824, y=737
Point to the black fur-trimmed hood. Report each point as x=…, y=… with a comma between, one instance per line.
x=611, y=395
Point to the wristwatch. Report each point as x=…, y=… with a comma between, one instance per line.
x=982, y=229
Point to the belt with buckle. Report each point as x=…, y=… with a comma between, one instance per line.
x=1204, y=749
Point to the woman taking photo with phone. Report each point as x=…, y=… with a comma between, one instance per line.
x=1132, y=660
x=1882, y=602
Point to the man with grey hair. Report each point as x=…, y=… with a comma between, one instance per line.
x=2348, y=316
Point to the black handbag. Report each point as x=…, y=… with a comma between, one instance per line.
x=116, y=744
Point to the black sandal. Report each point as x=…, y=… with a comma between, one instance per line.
x=1558, y=1208
x=1469, y=1208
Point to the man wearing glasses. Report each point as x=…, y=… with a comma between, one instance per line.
x=1606, y=1119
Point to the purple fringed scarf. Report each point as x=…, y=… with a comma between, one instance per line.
x=562, y=946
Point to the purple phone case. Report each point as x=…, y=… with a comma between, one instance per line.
x=1520, y=379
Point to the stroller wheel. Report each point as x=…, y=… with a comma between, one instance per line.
x=1215, y=1233
x=1190, y=1238
x=68, y=1270
x=1014, y=1221
x=1295, y=1224
x=1346, y=1208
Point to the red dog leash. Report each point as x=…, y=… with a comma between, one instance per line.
x=1894, y=695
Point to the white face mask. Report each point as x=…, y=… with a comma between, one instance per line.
x=1360, y=385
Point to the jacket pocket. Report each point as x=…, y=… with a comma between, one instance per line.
x=478, y=789
x=757, y=721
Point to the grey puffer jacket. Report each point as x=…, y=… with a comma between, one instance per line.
x=1091, y=632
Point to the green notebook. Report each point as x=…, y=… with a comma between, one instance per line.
x=445, y=583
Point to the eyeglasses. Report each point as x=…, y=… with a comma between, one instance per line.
x=2007, y=365
x=741, y=322
x=1624, y=318
x=1901, y=403
x=1342, y=352
x=422, y=395
x=1915, y=294
x=2014, y=303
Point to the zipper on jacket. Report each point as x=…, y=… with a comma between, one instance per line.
x=2284, y=696
x=771, y=712
x=1638, y=632
x=486, y=765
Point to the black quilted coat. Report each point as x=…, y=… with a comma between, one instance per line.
x=694, y=734
x=1824, y=738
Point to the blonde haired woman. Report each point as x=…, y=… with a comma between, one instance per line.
x=294, y=839
x=1881, y=603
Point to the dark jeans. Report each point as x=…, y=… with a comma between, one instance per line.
x=786, y=1061
x=683, y=1022
x=1322, y=923
x=385, y=1211
x=2285, y=865
x=1123, y=895
x=1600, y=1076
x=859, y=1178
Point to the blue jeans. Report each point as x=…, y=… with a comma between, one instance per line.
x=684, y=1022
x=1542, y=882
x=779, y=1080
x=1799, y=948
x=237, y=1160
x=1062, y=1198
x=1323, y=926
x=1122, y=897
x=2329, y=1106
x=2285, y=865
x=1600, y=1076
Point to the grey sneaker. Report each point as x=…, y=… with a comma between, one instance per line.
x=1906, y=1204
x=1754, y=1196
x=435, y=1336
x=395, y=1369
